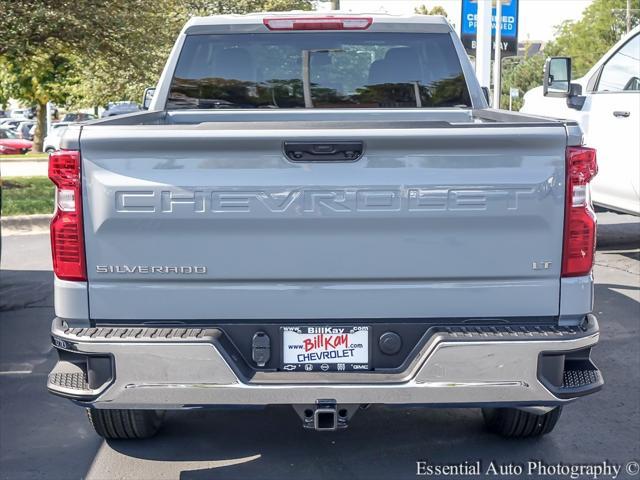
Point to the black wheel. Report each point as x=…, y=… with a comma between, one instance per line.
x=514, y=423
x=124, y=424
x=49, y=150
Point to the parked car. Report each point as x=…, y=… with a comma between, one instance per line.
x=120, y=108
x=10, y=144
x=22, y=113
x=52, y=140
x=24, y=130
x=78, y=117
x=367, y=232
x=10, y=123
x=606, y=103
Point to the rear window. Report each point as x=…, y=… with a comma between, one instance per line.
x=318, y=70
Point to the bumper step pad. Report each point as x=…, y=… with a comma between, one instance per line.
x=144, y=334
x=573, y=379
x=579, y=377
x=73, y=381
x=69, y=378
x=525, y=332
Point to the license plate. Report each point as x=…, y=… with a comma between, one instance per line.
x=325, y=349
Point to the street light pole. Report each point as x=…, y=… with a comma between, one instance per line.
x=628, y=16
x=49, y=111
x=335, y=4
x=483, y=43
x=496, y=56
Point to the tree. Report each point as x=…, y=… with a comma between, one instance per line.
x=104, y=77
x=140, y=40
x=38, y=81
x=601, y=26
x=33, y=54
x=217, y=7
x=47, y=43
x=85, y=53
x=523, y=73
x=437, y=10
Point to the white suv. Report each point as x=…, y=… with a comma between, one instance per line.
x=609, y=113
x=52, y=140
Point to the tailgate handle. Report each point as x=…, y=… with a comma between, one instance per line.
x=338, y=151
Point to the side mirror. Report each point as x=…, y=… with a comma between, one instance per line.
x=147, y=97
x=557, y=77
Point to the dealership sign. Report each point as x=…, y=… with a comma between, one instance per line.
x=509, y=26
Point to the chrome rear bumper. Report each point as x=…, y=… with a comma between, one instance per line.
x=478, y=366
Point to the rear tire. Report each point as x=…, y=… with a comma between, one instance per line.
x=124, y=424
x=514, y=423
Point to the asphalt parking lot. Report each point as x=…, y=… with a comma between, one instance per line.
x=42, y=436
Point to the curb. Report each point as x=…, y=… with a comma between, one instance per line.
x=22, y=224
x=16, y=159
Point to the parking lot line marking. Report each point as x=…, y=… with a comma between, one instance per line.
x=17, y=372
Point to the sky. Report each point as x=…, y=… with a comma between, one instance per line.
x=537, y=18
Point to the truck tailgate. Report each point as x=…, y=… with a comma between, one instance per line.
x=207, y=222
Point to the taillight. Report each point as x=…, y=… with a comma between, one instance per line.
x=318, y=23
x=67, y=241
x=580, y=220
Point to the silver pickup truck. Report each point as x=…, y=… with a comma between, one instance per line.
x=323, y=212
